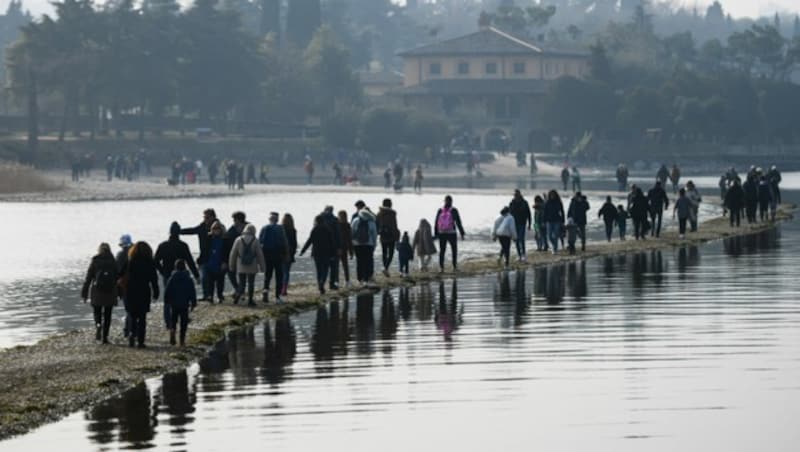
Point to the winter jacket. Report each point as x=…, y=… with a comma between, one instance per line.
x=98, y=297
x=764, y=192
x=423, y=243
x=274, y=244
x=504, y=226
x=658, y=199
x=142, y=285
x=122, y=259
x=577, y=211
x=553, y=211
x=683, y=207
x=405, y=252
x=639, y=207
x=216, y=255
x=456, y=223
x=608, y=212
x=750, y=191
x=179, y=292
x=321, y=238
x=734, y=198
x=332, y=222
x=291, y=239
x=386, y=222
x=242, y=243
x=231, y=235
x=521, y=211
x=364, y=215
x=170, y=251
x=204, y=240
x=346, y=239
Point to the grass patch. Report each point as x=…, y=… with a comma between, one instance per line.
x=16, y=178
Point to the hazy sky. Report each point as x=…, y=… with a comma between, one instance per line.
x=738, y=8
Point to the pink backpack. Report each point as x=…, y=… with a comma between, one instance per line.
x=445, y=222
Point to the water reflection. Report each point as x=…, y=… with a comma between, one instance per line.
x=550, y=284
x=448, y=314
x=752, y=244
x=279, y=351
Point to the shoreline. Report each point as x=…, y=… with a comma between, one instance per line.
x=67, y=372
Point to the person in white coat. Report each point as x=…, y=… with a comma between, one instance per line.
x=246, y=261
x=505, y=231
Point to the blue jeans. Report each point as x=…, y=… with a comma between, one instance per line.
x=521, y=239
x=554, y=234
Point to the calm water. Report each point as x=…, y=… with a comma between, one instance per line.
x=688, y=349
x=44, y=264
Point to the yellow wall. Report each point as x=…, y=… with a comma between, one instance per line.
x=417, y=69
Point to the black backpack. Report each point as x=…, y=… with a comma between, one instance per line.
x=248, y=253
x=105, y=278
x=362, y=232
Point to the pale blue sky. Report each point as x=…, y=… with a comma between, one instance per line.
x=738, y=8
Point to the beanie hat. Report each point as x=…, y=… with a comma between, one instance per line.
x=174, y=228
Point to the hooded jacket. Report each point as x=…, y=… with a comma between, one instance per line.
x=504, y=226
x=179, y=292
x=246, y=241
x=364, y=215
x=521, y=211
x=577, y=211
x=386, y=222
x=142, y=285
x=608, y=212
x=89, y=290
x=423, y=243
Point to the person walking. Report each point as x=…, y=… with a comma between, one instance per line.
x=388, y=233
x=750, y=189
x=565, y=177
x=504, y=230
x=180, y=295
x=239, y=222
x=662, y=175
x=169, y=252
x=365, y=237
x=576, y=179
x=675, y=177
x=405, y=254
x=638, y=212
x=683, y=208
x=346, y=241
x=291, y=239
x=423, y=245
x=764, y=198
x=100, y=286
x=774, y=179
x=446, y=225
x=332, y=222
x=695, y=199
x=216, y=266
x=275, y=249
x=521, y=211
x=321, y=238
x=658, y=203
x=418, y=179
x=125, y=244
x=622, y=177
x=554, y=218
x=622, y=221
x=246, y=261
x=734, y=202
x=539, y=226
x=204, y=241
x=609, y=215
x=141, y=288
x=578, y=207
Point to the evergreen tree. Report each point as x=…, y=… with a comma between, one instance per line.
x=302, y=20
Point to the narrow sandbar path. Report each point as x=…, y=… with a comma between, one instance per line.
x=69, y=372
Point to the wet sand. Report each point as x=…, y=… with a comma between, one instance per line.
x=68, y=372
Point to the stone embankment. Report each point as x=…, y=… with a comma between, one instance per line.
x=68, y=372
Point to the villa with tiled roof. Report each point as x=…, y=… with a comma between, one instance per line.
x=489, y=82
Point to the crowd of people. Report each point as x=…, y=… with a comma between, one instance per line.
x=758, y=197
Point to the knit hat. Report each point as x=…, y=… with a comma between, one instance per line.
x=174, y=228
x=125, y=240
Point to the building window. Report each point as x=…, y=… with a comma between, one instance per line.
x=435, y=69
x=463, y=68
x=491, y=68
x=519, y=67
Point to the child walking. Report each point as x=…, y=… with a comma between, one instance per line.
x=405, y=253
x=622, y=221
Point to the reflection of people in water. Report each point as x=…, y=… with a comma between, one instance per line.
x=388, y=322
x=405, y=304
x=576, y=279
x=448, y=315
x=424, y=302
x=129, y=414
x=279, y=351
x=550, y=283
x=178, y=398
x=365, y=323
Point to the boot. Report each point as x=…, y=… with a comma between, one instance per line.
x=172, y=337
x=183, y=338
x=97, y=332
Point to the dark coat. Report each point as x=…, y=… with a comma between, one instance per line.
x=180, y=293
x=291, y=239
x=734, y=198
x=456, y=221
x=386, y=221
x=333, y=224
x=405, y=252
x=274, y=242
x=553, y=211
x=322, y=240
x=750, y=191
x=142, y=285
x=204, y=240
x=521, y=211
x=577, y=211
x=608, y=212
x=658, y=199
x=346, y=235
x=89, y=290
x=170, y=251
x=639, y=207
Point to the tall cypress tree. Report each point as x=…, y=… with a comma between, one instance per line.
x=271, y=18
x=303, y=19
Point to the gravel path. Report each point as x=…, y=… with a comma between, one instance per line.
x=68, y=372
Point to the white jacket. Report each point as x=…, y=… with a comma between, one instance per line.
x=504, y=226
